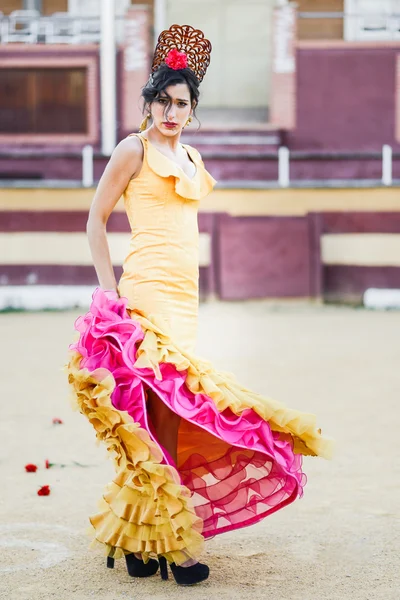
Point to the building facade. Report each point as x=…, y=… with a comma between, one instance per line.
x=320, y=78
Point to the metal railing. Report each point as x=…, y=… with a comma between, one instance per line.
x=284, y=157
x=284, y=164
x=28, y=26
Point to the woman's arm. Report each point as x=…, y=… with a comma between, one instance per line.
x=124, y=164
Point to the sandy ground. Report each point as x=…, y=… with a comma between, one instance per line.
x=340, y=541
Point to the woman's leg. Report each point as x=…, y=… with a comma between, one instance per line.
x=165, y=422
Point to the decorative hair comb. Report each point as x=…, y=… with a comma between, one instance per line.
x=183, y=46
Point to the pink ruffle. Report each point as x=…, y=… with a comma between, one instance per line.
x=259, y=472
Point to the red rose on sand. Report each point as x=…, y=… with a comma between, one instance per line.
x=30, y=468
x=176, y=60
x=44, y=490
x=57, y=421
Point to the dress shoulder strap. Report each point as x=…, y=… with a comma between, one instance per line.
x=140, y=136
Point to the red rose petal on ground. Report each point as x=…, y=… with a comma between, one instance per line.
x=57, y=421
x=47, y=463
x=30, y=468
x=44, y=490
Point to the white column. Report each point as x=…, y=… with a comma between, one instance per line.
x=88, y=8
x=387, y=165
x=33, y=5
x=108, y=77
x=350, y=20
x=160, y=18
x=284, y=166
x=74, y=7
x=87, y=166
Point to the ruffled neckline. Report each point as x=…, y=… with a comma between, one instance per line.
x=195, y=188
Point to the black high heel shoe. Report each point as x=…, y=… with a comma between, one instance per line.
x=184, y=575
x=135, y=566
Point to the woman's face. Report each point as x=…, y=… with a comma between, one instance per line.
x=171, y=109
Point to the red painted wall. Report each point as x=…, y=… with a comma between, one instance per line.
x=345, y=98
x=251, y=257
x=349, y=282
x=263, y=257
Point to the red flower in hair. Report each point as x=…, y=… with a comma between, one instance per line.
x=176, y=60
x=30, y=468
x=44, y=490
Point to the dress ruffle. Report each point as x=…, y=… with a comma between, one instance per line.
x=201, y=378
x=249, y=467
x=145, y=509
x=191, y=189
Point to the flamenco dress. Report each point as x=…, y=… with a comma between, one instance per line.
x=239, y=453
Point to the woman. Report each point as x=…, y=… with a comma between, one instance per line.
x=196, y=453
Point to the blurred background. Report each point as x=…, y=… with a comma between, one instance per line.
x=300, y=125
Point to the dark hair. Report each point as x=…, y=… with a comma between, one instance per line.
x=164, y=77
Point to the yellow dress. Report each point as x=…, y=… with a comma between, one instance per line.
x=239, y=453
x=160, y=276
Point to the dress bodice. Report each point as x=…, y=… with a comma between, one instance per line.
x=160, y=273
x=163, y=183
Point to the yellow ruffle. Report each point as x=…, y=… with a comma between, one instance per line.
x=145, y=509
x=191, y=189
x=157, y=347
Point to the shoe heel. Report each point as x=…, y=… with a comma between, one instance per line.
x=110, y=562
x=189, y=575
x=163, y=567
x=137, y=568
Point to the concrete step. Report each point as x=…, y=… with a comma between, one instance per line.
x=233, y=143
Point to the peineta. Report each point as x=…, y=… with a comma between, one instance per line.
x=187, y=42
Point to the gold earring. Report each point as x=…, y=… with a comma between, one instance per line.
x=145, y=122
x=188, y=122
